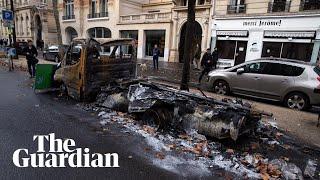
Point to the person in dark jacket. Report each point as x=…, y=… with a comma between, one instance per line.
x=156, y=54
x=206, y=63
x=215, y=57
x=31, y=54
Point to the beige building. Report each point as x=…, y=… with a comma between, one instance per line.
x=248, y=29
x=151, y=22
x=34, y=21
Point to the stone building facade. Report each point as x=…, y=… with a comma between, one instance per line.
x=248, y=29
x=151, y=22
x=34, y=21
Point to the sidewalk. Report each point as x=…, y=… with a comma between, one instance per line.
x=21, y=63
x=168, y=71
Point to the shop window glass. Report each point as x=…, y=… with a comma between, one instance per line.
x=300, y=51
x=155, y=37
x=271, y=49
x=129, y=34
x=226, y=49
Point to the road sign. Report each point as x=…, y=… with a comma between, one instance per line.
x=7, y=23
x=7, y=15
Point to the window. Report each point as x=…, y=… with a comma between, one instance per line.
x=69, y=9
x=103, y=6
x=272, y=69
x=99, y=32
x=201, y=2
x=226, y=49
x=155, y=37
x=281, y=69
x=254, y=68
x=271, y=49
x=299, y=51
x=93, y=7
x=288, y=70
x=309, y=5
x=279, y=6
x=236, y=6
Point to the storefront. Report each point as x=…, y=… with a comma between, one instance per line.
x=155, y=37
x=240, y=39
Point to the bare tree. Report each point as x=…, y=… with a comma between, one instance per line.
x=188, y=45
x=57, y=20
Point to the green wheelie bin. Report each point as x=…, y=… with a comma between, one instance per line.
x=44, y=76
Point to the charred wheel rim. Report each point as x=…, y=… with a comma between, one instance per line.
x=296, y=102
x=221, y=87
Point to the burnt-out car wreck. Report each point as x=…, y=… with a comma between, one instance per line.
x=168, y=107
x=107, y=68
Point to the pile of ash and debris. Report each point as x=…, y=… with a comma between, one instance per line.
x=187, y=128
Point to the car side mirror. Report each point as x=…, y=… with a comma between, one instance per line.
x=240, y=71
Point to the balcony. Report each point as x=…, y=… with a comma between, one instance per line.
x=146, y=18
x=68, y=17
x=279, y=6
x=98, y=15
x=236, y=9
x=310, y=5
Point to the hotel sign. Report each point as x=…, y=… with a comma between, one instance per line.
x=260, y=23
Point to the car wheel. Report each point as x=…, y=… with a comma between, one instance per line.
x=56, y=59
x=221, y=87
x=297, y=101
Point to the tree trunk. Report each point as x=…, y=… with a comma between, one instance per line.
x=57, y=20
x=188, y=45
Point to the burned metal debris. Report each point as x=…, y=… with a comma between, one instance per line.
x=169, y=107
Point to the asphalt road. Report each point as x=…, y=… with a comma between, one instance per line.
x=24, y=114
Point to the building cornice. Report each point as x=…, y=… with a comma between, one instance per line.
x=185, y=8
x=266, y=16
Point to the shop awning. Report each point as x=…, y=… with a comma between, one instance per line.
x=287, y=34
x=233, y=33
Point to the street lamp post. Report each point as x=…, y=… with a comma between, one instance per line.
x=14, y=37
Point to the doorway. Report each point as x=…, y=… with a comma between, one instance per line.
x=197, y=38
x=241, y=50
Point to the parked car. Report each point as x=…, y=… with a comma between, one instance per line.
x=293, y=82
x=20, y=46
x=54, y=52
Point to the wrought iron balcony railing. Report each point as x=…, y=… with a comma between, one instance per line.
x=98, y=15
x=68, y=17
x=235, y=9
x=279, y=6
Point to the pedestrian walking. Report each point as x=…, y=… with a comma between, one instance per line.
x=197, y=56
x=156, y=54
x=215, y=57
x=31, y=54
x=206, y=63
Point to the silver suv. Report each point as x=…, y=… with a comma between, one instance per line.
x=295, y=83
